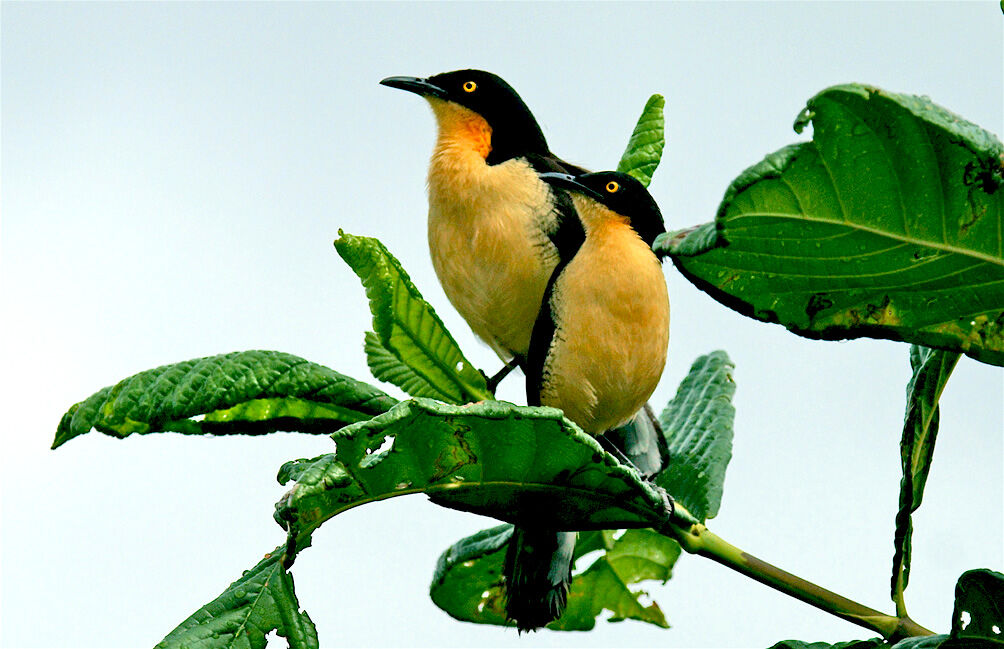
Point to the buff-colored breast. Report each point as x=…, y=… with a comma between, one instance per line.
x=611, y=311
x=486, y=233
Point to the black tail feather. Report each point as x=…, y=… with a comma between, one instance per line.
x=538, y=574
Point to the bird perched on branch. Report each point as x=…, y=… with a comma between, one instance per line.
x=597, y=352
x=494, y=226
x=496, y=233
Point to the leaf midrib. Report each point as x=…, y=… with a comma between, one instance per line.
x=881, y=233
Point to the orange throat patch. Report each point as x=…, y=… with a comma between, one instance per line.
x=461, y=128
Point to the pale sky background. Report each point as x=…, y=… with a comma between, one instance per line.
x=174, y=175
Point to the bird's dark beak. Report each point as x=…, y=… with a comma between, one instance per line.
x=570, y=183
x=415, y=85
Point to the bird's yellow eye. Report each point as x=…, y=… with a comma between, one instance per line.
x=612, y=187
x=470, y=86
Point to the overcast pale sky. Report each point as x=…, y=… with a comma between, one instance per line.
x=174, y=175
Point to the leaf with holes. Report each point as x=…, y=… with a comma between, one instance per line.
x=250, y=392
x=407, y=328
x=888, y=224
x=493, y=458
x=467, y=583
x=979, y=607
x=698, y=427
x=931, y=369
x=644, y=148
x=261, y=601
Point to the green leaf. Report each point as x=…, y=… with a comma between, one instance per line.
x=888, y=224
x=493, y=458
x=980, y=594
x=387, y=367
x=851, y=644
x=698, y=428
x=644, y=149
x=931, y=369
x=242, y=392
x=467, y=583
x=407, y=328
x=261, y=601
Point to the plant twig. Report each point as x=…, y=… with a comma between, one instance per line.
x=698, y=539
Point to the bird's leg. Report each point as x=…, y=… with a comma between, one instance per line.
x=493, y=382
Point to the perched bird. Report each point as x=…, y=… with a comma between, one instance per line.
x=597, y=352
x=494, y=226
x=497, y=231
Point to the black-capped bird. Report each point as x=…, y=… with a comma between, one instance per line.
x=494, y=226
x=597, y=352
x=497, y=231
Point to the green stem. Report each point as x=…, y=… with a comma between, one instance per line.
x=697, y=539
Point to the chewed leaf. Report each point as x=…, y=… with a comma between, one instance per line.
x=261, y=601
x=495, y=459
x=467, y=582
x=888, y=224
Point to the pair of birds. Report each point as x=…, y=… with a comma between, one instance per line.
x=553, y=268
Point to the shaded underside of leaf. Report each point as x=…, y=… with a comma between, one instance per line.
x=241, y=392
x=468, y=584
x=931, y=370
x=889, y=224
x=644, y=149
x=980, y=593
x=698, y=426
x=261, y=601
x=496, y=459
x=408, y=329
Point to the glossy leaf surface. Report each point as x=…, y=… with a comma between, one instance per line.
x=407, y=327
x=242, y=392
x=888, y=224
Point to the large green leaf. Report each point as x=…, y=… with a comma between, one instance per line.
x=644, y=149
x=698, y=427
x=979, y=607
x=249, y=609
x=468, y=585
x=407, y=328
x=931, y=369
x=888, y=224
x=493, y=458
x=242, y=392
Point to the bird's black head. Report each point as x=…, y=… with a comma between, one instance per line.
x=515, y=131
x=620, y=193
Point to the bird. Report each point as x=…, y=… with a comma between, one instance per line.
x=597, y=352
x=496, y=231
x=494, y=227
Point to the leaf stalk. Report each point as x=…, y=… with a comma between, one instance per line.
x=698, y=539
